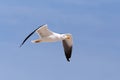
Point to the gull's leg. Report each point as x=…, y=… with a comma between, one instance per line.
x=36, y=41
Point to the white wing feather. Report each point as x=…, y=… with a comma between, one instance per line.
x=44, y=31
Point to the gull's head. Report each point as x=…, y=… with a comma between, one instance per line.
x=66, y=36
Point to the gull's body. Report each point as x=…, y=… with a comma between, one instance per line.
x=46, y=35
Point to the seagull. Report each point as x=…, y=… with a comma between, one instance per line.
x=46, y=35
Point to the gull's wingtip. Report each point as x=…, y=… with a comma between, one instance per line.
x=20, y=46
x=68, y=60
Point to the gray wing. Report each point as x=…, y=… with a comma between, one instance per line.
x=67, y=44
x=30, y=35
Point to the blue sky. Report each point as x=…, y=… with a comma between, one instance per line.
x=95, y=28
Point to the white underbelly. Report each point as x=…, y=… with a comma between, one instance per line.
x=51, y=39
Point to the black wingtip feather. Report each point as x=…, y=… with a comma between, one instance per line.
x=27, y=38
x=30, y=35
x=68, y=60
x=67, y=50
x=68, y=54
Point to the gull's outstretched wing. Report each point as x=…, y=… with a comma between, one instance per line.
x=44, y=31
x=67, y=44
x=30, y=35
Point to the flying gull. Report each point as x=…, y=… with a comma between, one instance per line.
x=47, y=35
